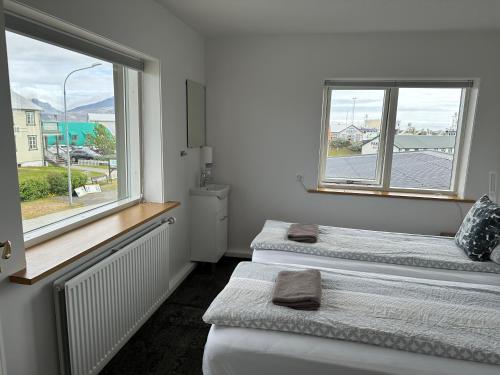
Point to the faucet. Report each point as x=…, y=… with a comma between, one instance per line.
x=204, y=177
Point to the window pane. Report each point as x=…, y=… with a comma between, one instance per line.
x=426, y=132
x=353, y=138
x=44, y=140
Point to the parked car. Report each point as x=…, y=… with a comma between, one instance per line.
x=78, y=153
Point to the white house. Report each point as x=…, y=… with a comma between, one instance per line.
x=356, y=134
x=106, y=119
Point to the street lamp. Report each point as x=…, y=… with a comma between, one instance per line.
x=70, y=189
x=353, y=108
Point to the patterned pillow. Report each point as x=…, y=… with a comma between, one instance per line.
x=495, y=255
x=479, y=233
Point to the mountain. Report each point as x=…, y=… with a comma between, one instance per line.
x=103, y=106
x=48, y=111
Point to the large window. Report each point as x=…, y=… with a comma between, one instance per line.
x=71, y=168
x=393, y=136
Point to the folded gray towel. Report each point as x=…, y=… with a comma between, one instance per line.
x=299, y=290
x=303, y=233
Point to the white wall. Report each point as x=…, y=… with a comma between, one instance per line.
x=264, y=99
x=26, y=312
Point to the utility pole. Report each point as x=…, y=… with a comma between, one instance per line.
x=68, y=156
x=353, y=108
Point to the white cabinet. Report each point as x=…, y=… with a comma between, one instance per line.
x=209, y=220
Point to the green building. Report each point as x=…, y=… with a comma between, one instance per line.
x=55, y=132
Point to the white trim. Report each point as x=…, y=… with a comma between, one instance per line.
x=388, y=133
x=388, y=146
x=180, y=276
x=3, y=370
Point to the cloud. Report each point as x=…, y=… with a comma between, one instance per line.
x=424, y=108
x=38, y=69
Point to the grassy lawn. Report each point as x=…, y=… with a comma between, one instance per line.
x=49, y=205
x=26, y=173
x=45, y=206
x=332, y=152
x=111, y=186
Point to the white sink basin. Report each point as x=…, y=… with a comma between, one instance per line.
x=216, y=190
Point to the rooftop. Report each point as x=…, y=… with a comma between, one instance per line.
x=20, y=102
x=424, y=141
x=96, y=117
x=417, y=169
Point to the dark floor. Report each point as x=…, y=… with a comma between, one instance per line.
x=172, y=340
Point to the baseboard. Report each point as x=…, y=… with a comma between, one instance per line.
x=180, y=276
x=239, y=253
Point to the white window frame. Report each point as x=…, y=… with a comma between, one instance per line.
x=388, y=132
x=30, y=118
x=32, y=143
x=59, y=33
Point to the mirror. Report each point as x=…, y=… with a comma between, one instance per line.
x=195, y=102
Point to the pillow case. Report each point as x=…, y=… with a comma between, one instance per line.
x=479, y=233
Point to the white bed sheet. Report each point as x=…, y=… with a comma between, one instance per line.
x=244, y=351
x=285, y=257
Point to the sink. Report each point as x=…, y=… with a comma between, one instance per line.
x=216, y=190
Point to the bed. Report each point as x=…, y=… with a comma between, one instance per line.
x=236, y=347
x=246, y=351
x=420, y=256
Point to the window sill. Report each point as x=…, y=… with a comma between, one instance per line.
x=392, y=194
x=50, y=256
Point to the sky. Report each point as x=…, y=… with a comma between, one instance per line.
x=423, y=108
x=38, y=69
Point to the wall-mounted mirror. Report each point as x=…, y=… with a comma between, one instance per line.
x=195, y=103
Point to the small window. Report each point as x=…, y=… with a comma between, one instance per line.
x=30, y=118
x=32, y=143
x=401, y=136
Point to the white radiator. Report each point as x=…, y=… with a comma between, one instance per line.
x=101, y=307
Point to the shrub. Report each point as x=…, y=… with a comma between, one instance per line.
x=78, y=179
x=33, y=189
x=58, y=182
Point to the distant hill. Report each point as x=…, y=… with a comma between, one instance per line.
x=104, y=106
x=79, y=113
x=49, y=113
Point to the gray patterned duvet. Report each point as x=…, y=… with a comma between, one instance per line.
x=431, y=317
x=372, y=246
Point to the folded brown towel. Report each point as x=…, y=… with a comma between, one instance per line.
x=299, y=290
x=303, y=233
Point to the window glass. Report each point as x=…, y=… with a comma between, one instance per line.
x=68, y=164
x=426, y=138
x=395, y=135
x=356, y=120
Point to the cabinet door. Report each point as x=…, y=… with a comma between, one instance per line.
x=221, y=233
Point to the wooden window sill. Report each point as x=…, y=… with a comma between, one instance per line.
x=50, y=256
x=391, y=194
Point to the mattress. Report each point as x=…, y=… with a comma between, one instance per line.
x=433, y=317
x=245, y=351
x=373, y=246
x=284, y=257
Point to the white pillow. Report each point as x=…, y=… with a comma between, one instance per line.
x=495, y=254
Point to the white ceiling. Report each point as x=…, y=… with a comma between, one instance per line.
x=250, y=17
